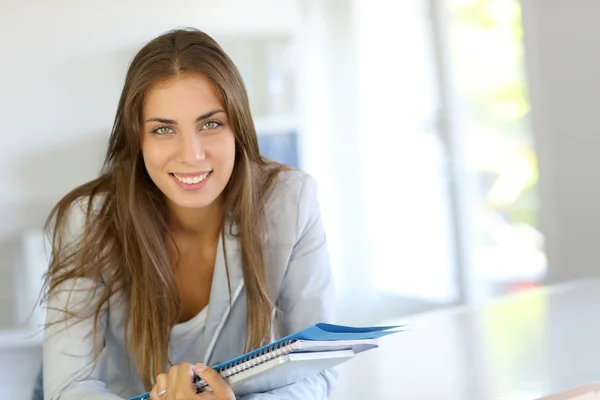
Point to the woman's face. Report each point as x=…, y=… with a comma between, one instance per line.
x=187, y=143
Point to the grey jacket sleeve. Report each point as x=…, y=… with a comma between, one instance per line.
x=306, y=295
x=69, y=370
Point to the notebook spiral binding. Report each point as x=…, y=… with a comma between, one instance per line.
x=252, y=360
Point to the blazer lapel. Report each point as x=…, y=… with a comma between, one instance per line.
x=220, y=302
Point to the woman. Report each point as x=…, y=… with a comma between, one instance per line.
x=190, y=247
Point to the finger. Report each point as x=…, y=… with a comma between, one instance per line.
x=161, y=386
x=221, y=390
x=184, y=385
x=171, y=393
x=154, y=393
x=171, y=383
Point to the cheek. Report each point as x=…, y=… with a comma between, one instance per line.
x=153, y=157
x=226, y=149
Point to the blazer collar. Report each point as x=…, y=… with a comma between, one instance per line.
x=220, y=302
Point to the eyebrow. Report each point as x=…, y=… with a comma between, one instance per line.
x=173, y=122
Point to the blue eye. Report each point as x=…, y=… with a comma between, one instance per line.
x=163, y=130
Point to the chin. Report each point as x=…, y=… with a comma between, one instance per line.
x=192, y=201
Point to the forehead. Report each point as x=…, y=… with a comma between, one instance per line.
x=185, y=95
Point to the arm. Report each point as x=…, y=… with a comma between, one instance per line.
x=306, y=295
x=69, y=370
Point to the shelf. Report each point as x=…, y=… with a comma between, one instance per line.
x=11, y=339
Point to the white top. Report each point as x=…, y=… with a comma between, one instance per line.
x=186, y=345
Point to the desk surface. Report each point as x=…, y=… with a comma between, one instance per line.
x=516, y=348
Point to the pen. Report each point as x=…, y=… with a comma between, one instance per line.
x=198, y=382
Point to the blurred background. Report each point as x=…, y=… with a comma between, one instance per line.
x=454, y=141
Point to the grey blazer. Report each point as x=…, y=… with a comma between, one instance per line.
x=300, y=280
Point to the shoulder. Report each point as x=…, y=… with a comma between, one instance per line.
x=295, y=188
x=292, y=200
x=294, y=185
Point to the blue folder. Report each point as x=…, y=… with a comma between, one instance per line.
x=320, y=332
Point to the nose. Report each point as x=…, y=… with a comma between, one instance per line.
x=191, y=149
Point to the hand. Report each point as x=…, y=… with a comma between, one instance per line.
x=180, y=386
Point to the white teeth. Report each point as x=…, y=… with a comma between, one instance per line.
x=191, y=180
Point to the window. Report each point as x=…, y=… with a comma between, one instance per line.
x=491, y=115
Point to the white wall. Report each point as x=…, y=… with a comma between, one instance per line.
x=63, y=64
x=408, y=218
x=62, y=68
x=563, y=57
x=67, y=63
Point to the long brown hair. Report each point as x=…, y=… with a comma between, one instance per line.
x=125, y=235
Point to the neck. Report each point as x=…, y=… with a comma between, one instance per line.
x=203, y=222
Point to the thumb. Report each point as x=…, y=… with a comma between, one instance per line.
x=221, y=390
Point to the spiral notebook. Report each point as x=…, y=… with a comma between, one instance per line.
x=295, y=357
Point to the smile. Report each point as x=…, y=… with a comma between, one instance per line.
x=191, y=179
